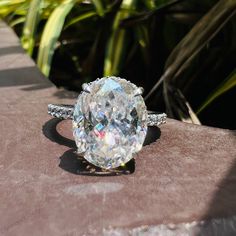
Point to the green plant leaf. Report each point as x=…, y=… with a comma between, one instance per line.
x=9, y=6
x=178, y=106
x=186, y=51
x=99, y=7
x=226, y=85
x=117, y=42
x=141, y=33
x=30, y=26
x=7, y=3
x=17, y=21
x=80, y=18
x=155, y=8
x=51, y=34
x=195, y=40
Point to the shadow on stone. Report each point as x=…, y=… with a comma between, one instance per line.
x=70, y=161
x=23, y=77
x=65, y=94
x=153, y=134
x=50, y=132
x=13, y=77
x=11, y=50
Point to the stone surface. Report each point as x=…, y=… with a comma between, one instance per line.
x=188, y=174
x=109, y=122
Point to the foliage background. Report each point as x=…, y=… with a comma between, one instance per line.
x=182, y=52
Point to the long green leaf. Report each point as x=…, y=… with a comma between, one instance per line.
x=116, y=43
x=99, y=7
x=226, y=85
x=195, y=40
x=141, y=33
x=51, y=34
x=155, y=8
x=185, y=52
x=7, y=3
x=19, y=20
x=9, y=6
x=30, y=26
x=80, y=18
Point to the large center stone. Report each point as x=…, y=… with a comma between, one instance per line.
x=109, y=122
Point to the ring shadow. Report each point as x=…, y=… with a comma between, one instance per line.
x=74, y=163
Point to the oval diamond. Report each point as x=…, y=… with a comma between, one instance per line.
x=110, y=122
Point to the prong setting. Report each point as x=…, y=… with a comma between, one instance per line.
x=139, y=91
x=86, y=88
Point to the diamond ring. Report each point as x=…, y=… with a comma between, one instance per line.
x=110, y=121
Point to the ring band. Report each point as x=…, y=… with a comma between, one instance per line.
x=63, y=111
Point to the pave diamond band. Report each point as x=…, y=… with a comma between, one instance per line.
x=66, y=112
x=61, y=111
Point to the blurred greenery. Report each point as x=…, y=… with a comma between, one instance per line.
x=182, y=52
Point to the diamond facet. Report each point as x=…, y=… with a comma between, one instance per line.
x=110, y=122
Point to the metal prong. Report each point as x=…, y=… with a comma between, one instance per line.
x=139, y=91
x=86, y=88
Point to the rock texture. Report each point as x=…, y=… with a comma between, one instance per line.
x=184, y=175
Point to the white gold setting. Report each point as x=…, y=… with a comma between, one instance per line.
x=109, y=120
